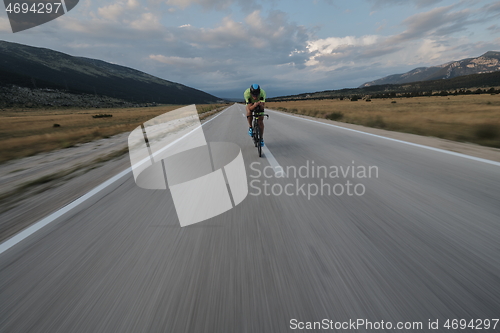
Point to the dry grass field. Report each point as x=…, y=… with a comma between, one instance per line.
x=466, y=118
x=24, y=132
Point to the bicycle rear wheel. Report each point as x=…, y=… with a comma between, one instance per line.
x=255, y=136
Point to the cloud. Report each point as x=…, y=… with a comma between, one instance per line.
x=328, y=45
x=421, y=29
x=225, y=35
x=193, y=63
x=335, y=49
x=494, y=29
x=5, y=25
x=111, y=12
x=269, y=39
x=335, y=52
x=117, y=10
x=381, y=25
x=494, y=7
x=430, y=50
x=147, y=22
x=379, y=4
x=212, y=4
x=254, y=49
x=422, y=23
x=132, y=4
x=427, y=38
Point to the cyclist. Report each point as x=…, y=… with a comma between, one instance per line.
x=255, y=99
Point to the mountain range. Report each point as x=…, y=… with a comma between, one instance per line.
x=486, y=63
x=34, y=67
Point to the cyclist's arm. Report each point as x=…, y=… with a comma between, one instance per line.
x=247, y=97
x=255, y=105
x=252, y=105
x=262, y=98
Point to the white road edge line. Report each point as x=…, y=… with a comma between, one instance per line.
x=4, y=246
x=478, y=159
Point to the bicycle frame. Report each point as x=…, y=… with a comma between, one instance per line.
x=257, y=137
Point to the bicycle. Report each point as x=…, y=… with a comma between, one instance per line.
x=256, y=134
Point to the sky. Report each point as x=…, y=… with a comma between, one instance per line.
x=288, y=47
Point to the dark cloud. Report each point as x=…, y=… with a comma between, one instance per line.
x=262, y=40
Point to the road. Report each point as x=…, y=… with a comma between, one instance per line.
x=418, y=241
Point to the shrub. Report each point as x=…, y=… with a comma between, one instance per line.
x=335, y=116
x=393, y=102
x=102, y=115
x=378, y=122
x=56, y=125
x=354, y=98
x=368, y=100
x=487, y=131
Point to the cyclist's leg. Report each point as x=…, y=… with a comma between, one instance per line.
x=249, y=116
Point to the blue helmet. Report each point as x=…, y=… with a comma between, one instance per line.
x=255, y=89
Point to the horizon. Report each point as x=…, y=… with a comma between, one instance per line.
x=221, y=47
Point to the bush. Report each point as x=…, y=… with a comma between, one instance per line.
x=378, y=122
x=354, y=98
x=487, y=131
x=335, y=116
x=368, y=100
x=393, y=102
x=56, y=125
x=102, y=115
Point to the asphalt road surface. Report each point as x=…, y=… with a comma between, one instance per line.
x=417, y=240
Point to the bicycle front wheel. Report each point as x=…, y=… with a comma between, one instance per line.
x=259, y=145
x=255, y=136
